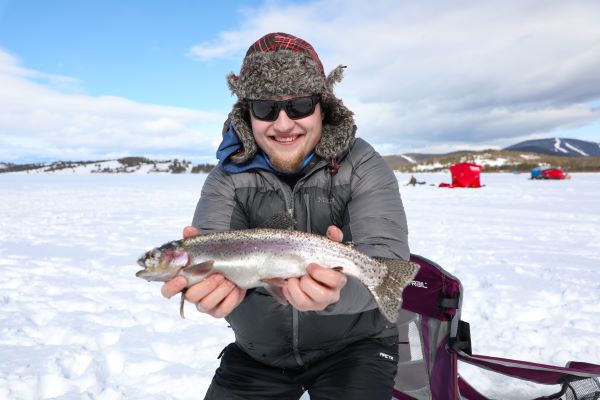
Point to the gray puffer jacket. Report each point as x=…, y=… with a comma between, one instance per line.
x=362, y=198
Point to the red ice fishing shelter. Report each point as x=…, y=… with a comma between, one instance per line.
x=553, y=173
x=466, y=175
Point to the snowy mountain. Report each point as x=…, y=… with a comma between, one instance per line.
x=568, y=154
x=496, y=161
x=559, y=147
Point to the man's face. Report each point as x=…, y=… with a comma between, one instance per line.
x=287, y=141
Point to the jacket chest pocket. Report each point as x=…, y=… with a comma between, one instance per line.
x=317, y=209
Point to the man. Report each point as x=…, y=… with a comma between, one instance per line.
x=289, y=146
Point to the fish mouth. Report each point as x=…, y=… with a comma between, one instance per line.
x=162, y=265
x=143, y=262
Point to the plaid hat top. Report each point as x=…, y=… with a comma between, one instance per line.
x=284, y=41
x=277, y=65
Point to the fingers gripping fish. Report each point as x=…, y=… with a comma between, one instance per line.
x=266, y=257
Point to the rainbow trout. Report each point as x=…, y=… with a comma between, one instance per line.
x=266, y=257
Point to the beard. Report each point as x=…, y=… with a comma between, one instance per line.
x=288, y=165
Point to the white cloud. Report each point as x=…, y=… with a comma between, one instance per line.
x=40, y=119
x=423, y=74
x=228, y=43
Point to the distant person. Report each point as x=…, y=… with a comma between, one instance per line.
x=289, y=146
x=413, y=181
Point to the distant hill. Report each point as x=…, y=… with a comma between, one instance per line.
x=558, y=147
x=126, y=165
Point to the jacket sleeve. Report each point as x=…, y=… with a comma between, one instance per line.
x=375, y=222
x=218, y=210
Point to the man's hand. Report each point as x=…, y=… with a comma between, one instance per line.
x=320, y=287
x=215, y=295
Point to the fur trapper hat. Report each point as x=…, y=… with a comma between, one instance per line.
x=279, y=64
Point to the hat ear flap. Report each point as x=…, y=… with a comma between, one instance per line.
x=233, y=81
x=338, y=129
x=334, y=77
x=241, y=124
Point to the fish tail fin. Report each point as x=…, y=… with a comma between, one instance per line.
x=388, y=294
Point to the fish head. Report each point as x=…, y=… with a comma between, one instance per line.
x=163, y=263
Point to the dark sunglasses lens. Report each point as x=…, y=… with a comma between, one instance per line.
x=264, y=109
x=301, y=107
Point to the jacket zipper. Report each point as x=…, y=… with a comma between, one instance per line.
x=289, y=203
x=308, y=218
x=289, y=200
x=297, y=356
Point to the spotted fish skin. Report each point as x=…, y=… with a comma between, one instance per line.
x=258, y=257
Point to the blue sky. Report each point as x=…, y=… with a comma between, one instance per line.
x=104, y=79
x=133, y=49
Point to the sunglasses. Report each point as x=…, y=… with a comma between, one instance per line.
x=296, y=108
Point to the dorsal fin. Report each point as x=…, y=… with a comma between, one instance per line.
x=283, y=220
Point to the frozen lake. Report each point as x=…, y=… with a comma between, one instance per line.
x=76, y=323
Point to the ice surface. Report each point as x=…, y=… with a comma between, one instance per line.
x=75, y=323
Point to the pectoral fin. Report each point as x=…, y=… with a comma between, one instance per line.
x=181, y=303
x=198, y=269
x=191, y=271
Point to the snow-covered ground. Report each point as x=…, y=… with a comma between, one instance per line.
x=75, y=323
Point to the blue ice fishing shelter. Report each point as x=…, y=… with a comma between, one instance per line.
x=536, y=173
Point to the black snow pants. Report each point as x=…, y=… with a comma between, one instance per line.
x=364, y=370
